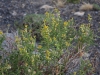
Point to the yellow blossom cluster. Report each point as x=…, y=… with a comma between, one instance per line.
x=64, y=35
x=75, y=73
x=17, y=39
x=47, y=14
x=1, y=33
x=48, y=55
x=85, y=30
x=65, y=23
x=39, y=46
x=89, y=17
x=67, y=44
x=45, y=32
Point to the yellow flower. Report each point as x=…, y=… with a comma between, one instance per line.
x=17, y=39
x=89, y=17
x=25, y=39
x=25, y=30
x=74, y=73
x=65, y=23
x=45, y=27
x=82, y=27
x=1, y=33
x=90, y=64
x=44, y=22
x=20, y=49
x=47, y=14
x=56, y=24
x=45, y=32
x=26, y=64
x=39, y=46
x=56, y=10
x=26, y=26
x=48, y=55
x=67, y=44
x=54, y=38
x=50, y=40
x=63, y=35
x=31, y=38
x=48, y=58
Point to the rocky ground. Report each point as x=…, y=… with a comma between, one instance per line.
x=14, y=10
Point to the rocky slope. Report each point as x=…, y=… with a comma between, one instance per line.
x=14, y=10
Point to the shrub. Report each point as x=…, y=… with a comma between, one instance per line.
x=59, y=38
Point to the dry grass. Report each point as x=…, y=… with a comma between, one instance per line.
x=86, y=6
x=59, y=3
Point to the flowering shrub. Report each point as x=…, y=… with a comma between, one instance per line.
x=58, y=37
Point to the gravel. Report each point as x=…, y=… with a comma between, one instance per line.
x=14, y=10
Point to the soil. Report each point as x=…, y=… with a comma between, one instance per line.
x=14, y=10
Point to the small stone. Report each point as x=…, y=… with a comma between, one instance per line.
x=8, y=43
x=23, y=5
x=14, y=13
x=79, y=13
x=86, y=56
x=24, y=14
x=0, y=16
x=46, y=7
